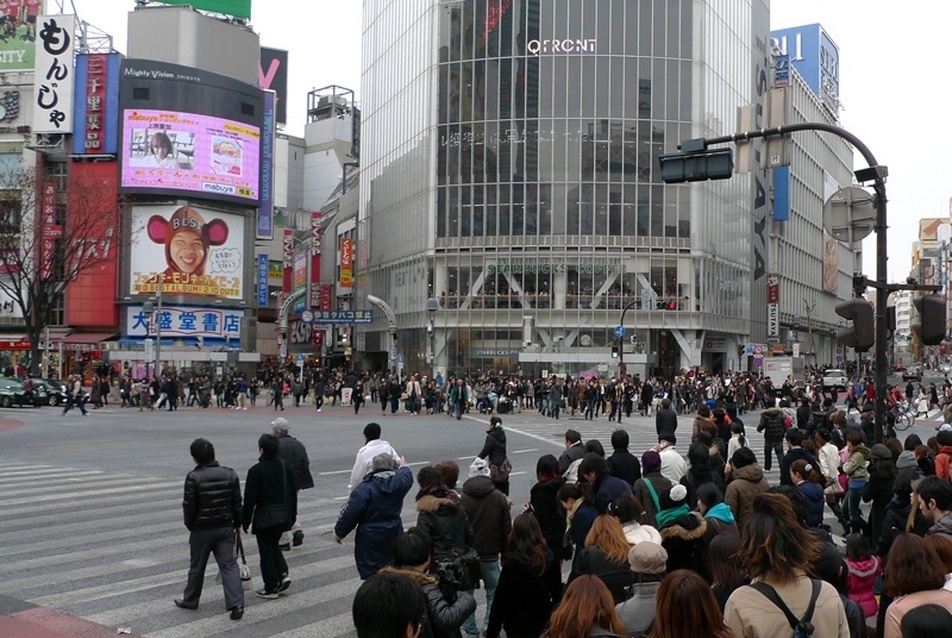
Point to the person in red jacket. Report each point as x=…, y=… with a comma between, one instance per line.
x=943, y=459
x=864, y=568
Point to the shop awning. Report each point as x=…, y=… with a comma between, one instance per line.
x=16, y=341
x=88, y=337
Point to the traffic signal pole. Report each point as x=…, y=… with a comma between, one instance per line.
x=876, y=174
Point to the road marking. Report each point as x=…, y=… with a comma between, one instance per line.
x=535, y=449
x=518, y=431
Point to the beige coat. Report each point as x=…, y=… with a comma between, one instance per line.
x=750, y=615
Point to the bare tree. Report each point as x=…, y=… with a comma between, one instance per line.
x=48, y=238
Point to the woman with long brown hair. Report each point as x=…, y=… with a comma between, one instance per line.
x=606, y=556
x=586, y=611
x=914, y=576
x=687, y=607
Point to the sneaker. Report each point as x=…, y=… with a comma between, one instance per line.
x=298, y=538
x=267, y=595
x=285, y=583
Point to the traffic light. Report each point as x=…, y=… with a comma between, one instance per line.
x=677, y=168
x=862, y=335
x=932, y=319
x=615, y=350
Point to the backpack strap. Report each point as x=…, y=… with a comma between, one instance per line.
x=771, y=594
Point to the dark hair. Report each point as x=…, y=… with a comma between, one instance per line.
x=825, y=434
x=385, y=604
x=831, y=567
x=686, y=606
x=925, y=459
x=428, y=476
x=704, y=411
x=857, y=547
x=794, y=436
x=627, y=508
x=796, y=498
x=547, y=465
x=738, y=428
x=943, y=549
x=775, y=545
x=495, y=420
x=911, y=442
x=726, y=570
x=709, y=494
x=666, y=403
x=718, y=414
x=577, y=491
x=202, y=451
x=592, y=462
x=743, y=457
x=943, y=437
x=268, y=443
x=449, y=472
x=912, y=566
x=699, y=455
x=933, y=487
x=926, y=621
x=594, y=446
x=412, y=548
x=620, y=439
x=572, y=436
x=806, y=470
x=855, y=437
x=526, y=538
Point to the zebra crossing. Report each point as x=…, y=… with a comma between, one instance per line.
x=112, y=549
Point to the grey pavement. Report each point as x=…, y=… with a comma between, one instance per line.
x=92, y=523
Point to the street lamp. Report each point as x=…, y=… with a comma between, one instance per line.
x=621, y=340
x=156, y=313
x=432, y=305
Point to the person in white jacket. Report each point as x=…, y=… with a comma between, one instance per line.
x=828, y=458
x=365, y=455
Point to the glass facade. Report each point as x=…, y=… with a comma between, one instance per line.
x=517, y=181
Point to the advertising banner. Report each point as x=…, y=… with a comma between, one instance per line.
x=53, y=75
x=831, y=264
x=189, y=152
x=287, y=253
x=273, y=76
x=50, y=229
x=96, y=104
x=186, y=321
x=195, y=250
x=346, y=262
x=327, y=294
x=263, y=280
x=265, y=226
x=342, y=317
x=9, y=308
x=773, y=288
x=17, y=49
x=275, y=273
x=236, y=8
x=300, y=270
x=317, y=239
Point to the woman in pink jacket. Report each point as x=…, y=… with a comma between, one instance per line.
x=864, y=569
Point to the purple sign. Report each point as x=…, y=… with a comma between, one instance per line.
x=265, y=227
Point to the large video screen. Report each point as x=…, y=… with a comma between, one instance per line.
x=189, y=152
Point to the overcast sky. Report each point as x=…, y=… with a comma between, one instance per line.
x=894, y=86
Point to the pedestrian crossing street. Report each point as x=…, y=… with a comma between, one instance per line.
x=112, y=549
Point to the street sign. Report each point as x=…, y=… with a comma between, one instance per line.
x=307, y=316
x=850, y=214
x=400, y=359
x=149, y=350
x=300, y=357
x=758, y=361
x=619, y=331
x=284, y=350
x=393, y=353
x=336, y=317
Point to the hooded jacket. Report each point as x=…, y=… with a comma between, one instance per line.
x=445, y=522
x=860, y=581
x=746, y=483
x=545, y=507
x=943, y=526
x=815, y=501
x=494, y=449
x=720, y=520
x=525, y=596
x=683, y=539
x=855, y=466
x=488, y=512
x=636, y=533
x=265, y=485
x=374, y=508
x=442, y=618
x=942, y=461
x=293, y=452
x=661, y=484
x=771, y=424
x=364, y=462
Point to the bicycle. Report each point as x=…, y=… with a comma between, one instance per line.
x=904, y=418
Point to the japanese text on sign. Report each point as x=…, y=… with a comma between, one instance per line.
x=53, y=101
x=344, y=316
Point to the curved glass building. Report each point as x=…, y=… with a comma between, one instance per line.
x=510, y=171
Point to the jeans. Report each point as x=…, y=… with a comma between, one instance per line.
x=851, y=501
x=221, y=541
x=489, y=574
x=772, y=446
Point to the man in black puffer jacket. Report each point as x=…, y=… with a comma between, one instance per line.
x=212, y=509
x=772, y=425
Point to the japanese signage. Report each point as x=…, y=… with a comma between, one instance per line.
x=317, y=238
x=300, y=270
x=815, y=56
x=327, y=293
x=96, y=104
x=273, y=76
x=186, y=321
x=51, y=231
x=9, y=308
x=773, y=288
x=195, y=250
x=773, y=305
x=18, y=45
x=342, y=316
x=346, y=262
x=265, y=224
x=263, y=280
x=287, y=250
x=53, y=68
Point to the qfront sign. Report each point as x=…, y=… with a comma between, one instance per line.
x=565, y=46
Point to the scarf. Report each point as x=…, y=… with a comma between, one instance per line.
x=721, y=512
x=671, y=515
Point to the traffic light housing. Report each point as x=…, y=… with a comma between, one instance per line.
x=615, y=350
x=862, y=335
x=933, y=321
x=698, y=166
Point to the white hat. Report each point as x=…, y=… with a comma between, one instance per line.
x=280, y=424
x=479, y=467
x=945, y=427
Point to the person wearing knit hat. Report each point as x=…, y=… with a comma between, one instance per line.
x=682, y=532
x=648, y=561
x=651, y=484
x=907, y=459
x=187, y=238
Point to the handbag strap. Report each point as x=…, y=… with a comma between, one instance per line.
x=239, y=547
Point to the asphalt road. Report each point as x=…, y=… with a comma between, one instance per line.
x=91, y=506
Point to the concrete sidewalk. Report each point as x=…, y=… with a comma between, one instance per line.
x=20, y=619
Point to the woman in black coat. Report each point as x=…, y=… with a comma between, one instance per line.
x=544, y=503
x=530, y=584
x=879, y=489
x=494, y=452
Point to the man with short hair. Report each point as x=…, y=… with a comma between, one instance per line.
x=365, y=455
x=388, y=605
x=213, y=514
x=594, y=470
x=935, y=503
x=623, y=464
x=673, y=465
x=666, y=419
x=294, y=454
x=572, y=455
x=795, y=452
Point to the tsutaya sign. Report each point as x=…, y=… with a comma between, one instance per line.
x=566, y=45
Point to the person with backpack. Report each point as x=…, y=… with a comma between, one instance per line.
x=778, y=553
